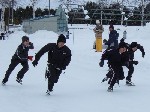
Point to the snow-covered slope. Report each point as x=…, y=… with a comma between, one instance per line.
x=79, y=89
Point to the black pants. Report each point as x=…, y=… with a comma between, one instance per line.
x=130, y=72
x=117, y=74
x=12, y=66
x=54, y=76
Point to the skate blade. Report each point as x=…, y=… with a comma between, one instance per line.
x=130, y=84
x=109, y=90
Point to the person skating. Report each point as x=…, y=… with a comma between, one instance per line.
x=128, y=58
x=114, y=59
x=20, y=57
x=59, y=57
x=128, y=61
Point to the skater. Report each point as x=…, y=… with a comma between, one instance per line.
x=114, y=59
x=128, y=61
x=20, y=56
x=113, y=38
x=128, y=58
x=59, y=56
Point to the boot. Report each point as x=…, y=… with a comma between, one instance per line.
x=19, y=81
x=3, y=83
x=105, y=79
x=48, y=92
x=129, y=83
x=110, y=89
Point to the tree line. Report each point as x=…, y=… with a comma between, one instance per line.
x=111, y=13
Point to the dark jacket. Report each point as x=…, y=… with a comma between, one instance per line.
x=113, y=39
x=58, y=57
x=22, y=52
x=128, y=56
x=113, y=57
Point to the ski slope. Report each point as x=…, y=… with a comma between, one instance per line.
x=79, y=88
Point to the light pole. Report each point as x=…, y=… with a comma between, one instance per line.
x=142, y=22
x=12, y=19
x=49, y=7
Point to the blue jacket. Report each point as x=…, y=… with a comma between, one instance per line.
x=113, y=39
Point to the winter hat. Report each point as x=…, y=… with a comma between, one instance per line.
x=25, y=38
x=97, y=22
x=133, y=44
x=61, y=38
x=122, y=45
x=111, y=26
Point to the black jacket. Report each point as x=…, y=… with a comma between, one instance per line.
x=58, y=57
x=129, y=54
x=113, y=57
x=22, y=52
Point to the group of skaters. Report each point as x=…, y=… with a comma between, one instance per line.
x=59, y=57
x=119, y=54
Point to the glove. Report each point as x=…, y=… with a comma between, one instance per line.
x=34, y=63
x=30, y=58
x=126, y=64
x=104, y=41
x=143, y=54
x=63, y=68
x=101, y=63
x=122, y=40
x=31, y=45
x=135, y=62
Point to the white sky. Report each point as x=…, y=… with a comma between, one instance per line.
x=80, y=88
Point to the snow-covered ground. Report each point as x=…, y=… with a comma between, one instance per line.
x=79, y=89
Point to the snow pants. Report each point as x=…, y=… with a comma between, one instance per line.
x=117, y=74
x=13, y=64
x=130, y=72
x=54, y=76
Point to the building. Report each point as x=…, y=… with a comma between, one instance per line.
x=57, y=23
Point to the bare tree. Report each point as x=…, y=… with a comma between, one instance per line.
x=4, y=4
x=34, y=2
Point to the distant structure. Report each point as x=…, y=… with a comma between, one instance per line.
x=131, y=4
x=57, y=23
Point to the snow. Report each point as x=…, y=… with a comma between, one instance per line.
x=79, y=89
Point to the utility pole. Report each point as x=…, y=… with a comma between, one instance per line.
x=122, y=14
x=12, y=13
x=9, y=15
x=33, y=10
x=142, y=22
x=49, y=7
x=33, y=7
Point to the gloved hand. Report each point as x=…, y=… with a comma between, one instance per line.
x=63, y=68
x=101, y=63
x=104, y=41
x=34, y=63
x=30, y=58
x=122, y=40
x=135, y=62
x=126, y=64
x=143, y=54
